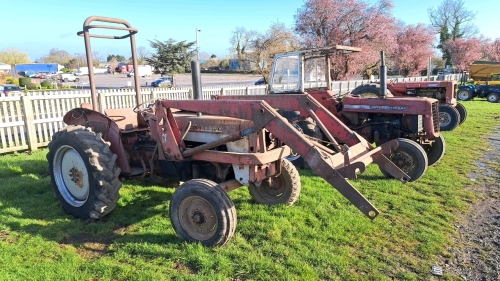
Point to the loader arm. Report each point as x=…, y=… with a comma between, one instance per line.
x=305, y=103
x=333, y=168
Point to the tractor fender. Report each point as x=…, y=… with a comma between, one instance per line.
x=108, y=128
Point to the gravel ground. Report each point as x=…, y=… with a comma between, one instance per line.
x=476, y=249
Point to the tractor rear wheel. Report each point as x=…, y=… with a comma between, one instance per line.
x=435, y=151
x=201, y=211
x=281, y=189
x=410, y=157
x=369, y=91
x=449, y=118
x=462, y=111
x=465, y=94
x=83, y=172
x=493, y=97
x=309, y=128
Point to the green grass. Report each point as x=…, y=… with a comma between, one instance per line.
x=321, y=237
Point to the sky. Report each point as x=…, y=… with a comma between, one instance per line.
x=39, y=26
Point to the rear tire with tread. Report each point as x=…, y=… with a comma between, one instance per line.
x=83, y=172
x=369, y=91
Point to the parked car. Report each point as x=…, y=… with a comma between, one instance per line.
x=261, y=81
x=11, y=90
x=165, y=81
x=69, y=77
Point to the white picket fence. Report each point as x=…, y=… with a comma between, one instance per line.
x=28, y=122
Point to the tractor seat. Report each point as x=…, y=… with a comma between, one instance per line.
x=126, y=119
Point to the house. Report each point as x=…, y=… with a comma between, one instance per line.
x=5, y=68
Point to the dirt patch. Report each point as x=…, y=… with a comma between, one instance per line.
x=184, y=268
x=88, y=246
x=475, y=254
x=7, y=237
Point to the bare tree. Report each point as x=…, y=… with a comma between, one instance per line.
x=239, y=40
x=57, y=56
x=278, y=39
x=142, y=54
x=451, y=21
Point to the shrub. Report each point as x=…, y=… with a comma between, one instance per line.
x=47, y=84
x=66, y=70
x=24, y=81
x=30, y=86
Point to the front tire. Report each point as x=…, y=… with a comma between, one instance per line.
x=462, y=111
x=410, y=157
x=281, y=189
x=449, y=118
x=436, y=150
x=493, y=97
x=83, y=172
x=201, y=211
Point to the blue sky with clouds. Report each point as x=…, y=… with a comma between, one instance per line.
x=38, y=26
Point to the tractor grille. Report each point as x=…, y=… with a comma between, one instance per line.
x=435, y=116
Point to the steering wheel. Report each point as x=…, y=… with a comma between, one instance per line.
x=139, y=108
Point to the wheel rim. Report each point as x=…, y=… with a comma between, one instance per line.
x=444, y=119
x=492, y=98
x=71, y=176
x=273, y=187
x=405, y=160
x=463, y=95
x=198, y=218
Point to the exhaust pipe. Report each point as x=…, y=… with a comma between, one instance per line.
x=383, y=75
x=196, y=80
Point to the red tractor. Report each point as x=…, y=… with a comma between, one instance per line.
x=451, y=113
x=412, y=122
x=213, y=146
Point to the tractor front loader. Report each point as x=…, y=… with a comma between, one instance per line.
x=212, y=146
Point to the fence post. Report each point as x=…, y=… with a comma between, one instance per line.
x=102, y=101
x=29, y=122
x=191, y=96
x=247, y=91
x=222, y=91
x=153, y=95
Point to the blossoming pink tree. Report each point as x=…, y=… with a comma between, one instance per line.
x=464, y=52
x=413, y=49
x=348, y=22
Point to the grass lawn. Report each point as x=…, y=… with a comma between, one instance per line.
x=321, y=237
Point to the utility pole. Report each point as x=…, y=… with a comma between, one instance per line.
x=197, y=51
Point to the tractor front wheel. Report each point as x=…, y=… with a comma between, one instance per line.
x=410, y=157
x=449, y=118
x=83, y=172
x=201, y=211
x=493, y=97
x=281, y=189
x=435, y=151
x=462, y=111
